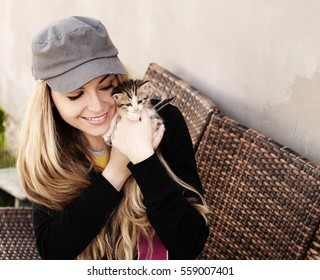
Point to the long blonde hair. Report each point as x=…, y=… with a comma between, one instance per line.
x=51, y=179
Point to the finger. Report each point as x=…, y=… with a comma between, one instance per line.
x=158, y=137
x=144, y=114
x=121, y=112
x=154, y=123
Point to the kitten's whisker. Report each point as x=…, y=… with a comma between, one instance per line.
x=163, y=103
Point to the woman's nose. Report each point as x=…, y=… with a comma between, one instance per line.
x=95, y=103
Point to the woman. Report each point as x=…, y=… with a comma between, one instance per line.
x=85, y=204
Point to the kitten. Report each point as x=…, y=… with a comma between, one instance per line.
x=133, y=96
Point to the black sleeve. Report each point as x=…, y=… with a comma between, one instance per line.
x=178, y=224
x=64, y=235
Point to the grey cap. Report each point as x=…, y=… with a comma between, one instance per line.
x=73, y=51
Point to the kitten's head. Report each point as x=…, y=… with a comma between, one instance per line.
x=132, y=95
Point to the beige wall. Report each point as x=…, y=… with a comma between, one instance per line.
x=258, y=59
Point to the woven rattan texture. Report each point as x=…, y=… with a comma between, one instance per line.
x=195, y=107
x=314, y=250
x=265, y=199
x=17, y=240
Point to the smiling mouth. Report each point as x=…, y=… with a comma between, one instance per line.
x=97, y=119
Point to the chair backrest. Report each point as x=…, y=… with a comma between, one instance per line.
x=17, y=241
x=265, y=198
x=195, y=107
x=314, y=250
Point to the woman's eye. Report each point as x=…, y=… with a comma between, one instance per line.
x=107, y=87
x=72, y=98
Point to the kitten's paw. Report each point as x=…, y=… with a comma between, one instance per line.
x=134, y=116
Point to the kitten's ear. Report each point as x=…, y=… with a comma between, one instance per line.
x=144, y=85
x=155, y=91
x=116, y=96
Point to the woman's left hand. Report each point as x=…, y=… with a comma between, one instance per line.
x=157, y=133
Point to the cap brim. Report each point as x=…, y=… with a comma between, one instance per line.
x=84, y=73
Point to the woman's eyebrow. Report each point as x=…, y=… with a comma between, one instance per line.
x=105, y=77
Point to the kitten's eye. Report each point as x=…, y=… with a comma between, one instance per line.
x=143, y=100
x=72, y=98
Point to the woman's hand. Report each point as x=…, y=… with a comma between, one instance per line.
x=136, y=139
x=157, y=133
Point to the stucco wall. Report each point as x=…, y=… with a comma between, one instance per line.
x=258, y=59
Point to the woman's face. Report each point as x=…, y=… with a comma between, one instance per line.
x=89, y=108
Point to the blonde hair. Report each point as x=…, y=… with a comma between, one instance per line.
x=51, y=179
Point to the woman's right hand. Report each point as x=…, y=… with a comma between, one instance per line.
x=116, y=171
x=135, y=138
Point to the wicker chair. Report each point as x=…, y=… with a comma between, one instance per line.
x=195, y=107
x=314, y=250
x=265, y=199
x=17, y=240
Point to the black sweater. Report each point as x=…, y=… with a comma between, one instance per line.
x=63, y=235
